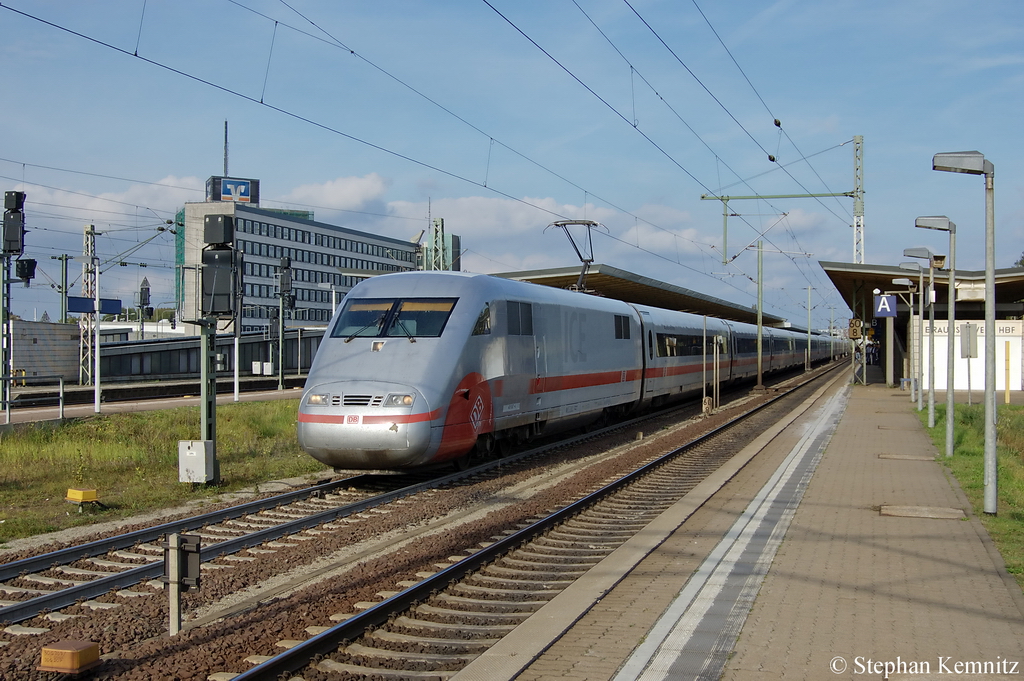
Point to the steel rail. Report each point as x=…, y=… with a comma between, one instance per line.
x=66, y=597
x=328, y=641
x=102, y=546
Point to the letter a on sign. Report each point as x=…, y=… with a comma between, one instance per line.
x=885, y=306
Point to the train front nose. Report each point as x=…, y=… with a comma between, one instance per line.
x=365, y=425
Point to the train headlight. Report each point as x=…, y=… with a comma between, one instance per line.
x=398, y=401
x=318, y=400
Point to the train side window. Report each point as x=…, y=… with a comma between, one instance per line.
x=621, y=327
x=483, y=322
x=513, y=325
x=526, y=315
x=681, y=345
x=520, y=318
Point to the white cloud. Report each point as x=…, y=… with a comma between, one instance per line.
x=167, y=194
x=343, y=193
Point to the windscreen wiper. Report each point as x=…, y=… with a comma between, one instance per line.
x=376, y=322
x=399, y=322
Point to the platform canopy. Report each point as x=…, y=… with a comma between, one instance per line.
x=855, y=280
x=611, y=282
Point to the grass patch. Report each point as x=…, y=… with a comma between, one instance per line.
x=132, y=460
x=968, y=465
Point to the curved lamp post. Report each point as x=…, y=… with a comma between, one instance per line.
x=975, y=163
x=933, y=262
x=911, y=288
x=944, y=224
x=919, y=351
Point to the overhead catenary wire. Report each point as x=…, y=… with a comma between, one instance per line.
x=335, y=131
x=670, y=107
x=200, y=190
x=491, y=140
x=299, y=117
x=771, y=157
x=778, y=123
x=614, y=110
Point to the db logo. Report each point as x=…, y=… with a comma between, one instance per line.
x=476, y=416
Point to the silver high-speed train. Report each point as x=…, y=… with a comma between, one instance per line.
x=419, y=368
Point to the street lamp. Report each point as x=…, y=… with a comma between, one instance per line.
x=334, y=296
x=933, y=262
x=911, y=287
x=914, y=267
x=942, y=223
x=975, y=163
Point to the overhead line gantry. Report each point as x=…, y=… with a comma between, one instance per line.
x=857, y=195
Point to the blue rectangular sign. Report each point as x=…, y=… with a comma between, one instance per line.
x=885, y=306
x=81, y=305
x=110, y=306
x=235, y=190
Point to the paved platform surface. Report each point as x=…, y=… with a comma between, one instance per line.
x=917, y=592
x=851, y=588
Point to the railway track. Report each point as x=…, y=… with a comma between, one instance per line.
x=324, y=507
x=51, y=581
x=55, y=580
x=438, y=637
x=434, y=627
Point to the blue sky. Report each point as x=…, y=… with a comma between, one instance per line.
x=503, y=116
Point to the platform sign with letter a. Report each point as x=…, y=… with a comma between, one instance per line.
x=885, y=306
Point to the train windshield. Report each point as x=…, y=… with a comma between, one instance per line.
x=394, y=318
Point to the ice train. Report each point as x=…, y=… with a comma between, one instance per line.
x=419, y=368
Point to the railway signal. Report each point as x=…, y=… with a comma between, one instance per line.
x=219, y=267
x=25, y=270
x=219, y=297
x=14, y=223
x=12, y=243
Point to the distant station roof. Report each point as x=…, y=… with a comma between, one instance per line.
x=854, y=281
x=611, y=282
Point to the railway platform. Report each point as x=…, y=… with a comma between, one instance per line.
x=844, y=550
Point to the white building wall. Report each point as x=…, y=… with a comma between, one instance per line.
x=1009, y=356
